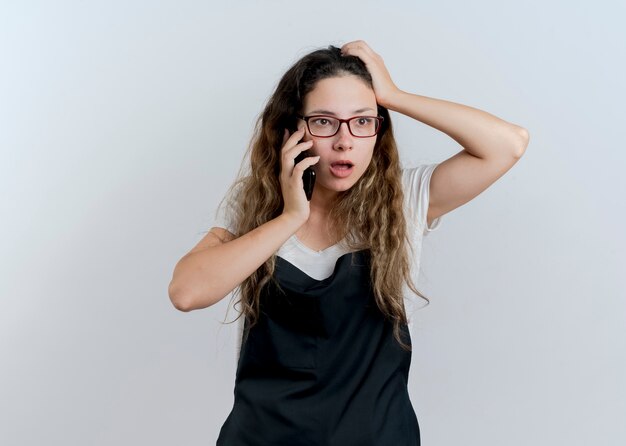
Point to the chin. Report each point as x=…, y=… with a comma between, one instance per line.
x=343, y=185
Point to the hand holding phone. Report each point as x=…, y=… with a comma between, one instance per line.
x=308, y=176
x=296, y=202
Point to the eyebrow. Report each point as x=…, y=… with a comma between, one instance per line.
x=328, y=112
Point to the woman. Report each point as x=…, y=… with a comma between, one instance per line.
x=323, y=276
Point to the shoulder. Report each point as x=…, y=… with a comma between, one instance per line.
x=416, y=184
x=228, y=210
x=412, y=174
x=416, y=179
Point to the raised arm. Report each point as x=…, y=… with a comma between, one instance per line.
x=491, y=146
x=220, y=262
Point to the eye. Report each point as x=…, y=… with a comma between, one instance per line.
x=364, y=121
x=318, y=121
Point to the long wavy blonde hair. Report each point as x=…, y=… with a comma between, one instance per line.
x=367, y=216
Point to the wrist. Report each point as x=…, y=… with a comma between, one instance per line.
x=293, y=221
x=391, y=100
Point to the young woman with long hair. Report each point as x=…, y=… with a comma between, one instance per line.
x=323, y=275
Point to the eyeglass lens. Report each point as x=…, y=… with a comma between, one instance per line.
x=328, y=126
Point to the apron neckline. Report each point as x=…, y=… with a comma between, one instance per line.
x=309, y=282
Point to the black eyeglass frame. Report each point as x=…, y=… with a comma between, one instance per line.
x=341, y=121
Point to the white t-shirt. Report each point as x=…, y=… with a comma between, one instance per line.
x=321, y=264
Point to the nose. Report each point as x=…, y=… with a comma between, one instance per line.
x=343, y=137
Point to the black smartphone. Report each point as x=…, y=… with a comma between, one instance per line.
x=308, y=176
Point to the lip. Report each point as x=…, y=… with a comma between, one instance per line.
x=342, y=162
x=341, y=173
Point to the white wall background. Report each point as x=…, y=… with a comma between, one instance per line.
x=122, y=123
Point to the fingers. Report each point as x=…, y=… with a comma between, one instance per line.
x=358, y=48
x=301, y=147
x=350, y=47
x=285, y=139
x=292, y=147
x=306, y=162
x=291, y=150
x=293, y=139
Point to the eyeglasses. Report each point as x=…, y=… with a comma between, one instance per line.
x=324, y=126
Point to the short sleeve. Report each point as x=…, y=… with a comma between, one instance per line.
x=417, y=193
x=225, y=214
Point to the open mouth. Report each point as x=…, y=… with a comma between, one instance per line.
x=341, y=169
x=342, y=165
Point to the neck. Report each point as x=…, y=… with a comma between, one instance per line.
x=321, y=201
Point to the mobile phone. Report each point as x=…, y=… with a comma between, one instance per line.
x=308, y=176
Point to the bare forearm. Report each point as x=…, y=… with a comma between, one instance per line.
x=480, y=133
x=203, y=278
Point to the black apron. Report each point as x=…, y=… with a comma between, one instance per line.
x=321, y=367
